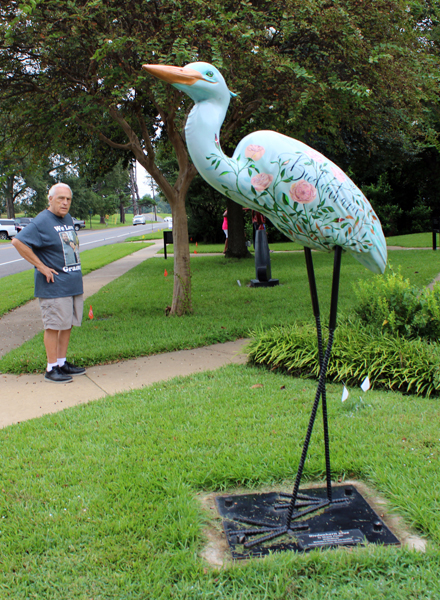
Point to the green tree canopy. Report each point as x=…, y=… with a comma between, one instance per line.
x=339, y=75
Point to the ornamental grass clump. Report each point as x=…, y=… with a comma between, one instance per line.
x=394, y=363
x=391, y=304
x=391, y=337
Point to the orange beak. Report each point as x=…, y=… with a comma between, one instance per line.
x=169, y=74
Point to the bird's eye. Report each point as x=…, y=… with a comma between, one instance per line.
x=209, y=74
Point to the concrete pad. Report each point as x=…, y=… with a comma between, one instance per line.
x=25, y=397
x=216, y=551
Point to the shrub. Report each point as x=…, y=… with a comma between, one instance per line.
x=390, y=304
x=391, y=363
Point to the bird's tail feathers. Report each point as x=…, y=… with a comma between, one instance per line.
x=375, y=260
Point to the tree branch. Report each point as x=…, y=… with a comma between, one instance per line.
x=103, y=137
x=145, y=135
x=146, y=161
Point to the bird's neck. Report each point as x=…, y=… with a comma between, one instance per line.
x=202, y=134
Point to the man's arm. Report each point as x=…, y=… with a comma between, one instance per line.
x=32, y=258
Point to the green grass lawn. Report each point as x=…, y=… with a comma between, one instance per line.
x=130, y=316
x=154, y=235
x=412, y=240
x=102, y=500
x=218, y=248
x=18, y=289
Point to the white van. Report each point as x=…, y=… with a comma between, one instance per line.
x=7, y=229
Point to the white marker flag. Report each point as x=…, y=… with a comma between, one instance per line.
x=344, y=394
x=365, y=385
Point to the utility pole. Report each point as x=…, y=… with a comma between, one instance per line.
x=154, y=199
x=134, y=187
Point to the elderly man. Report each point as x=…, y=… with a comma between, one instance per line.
x=48, y=243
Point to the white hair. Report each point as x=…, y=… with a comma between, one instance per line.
x=51, y=192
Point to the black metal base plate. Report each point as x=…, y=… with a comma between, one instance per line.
x=345, y=523
x=269, y=283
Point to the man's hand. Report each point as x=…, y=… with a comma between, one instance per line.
x=48, y=273
x=29, y=255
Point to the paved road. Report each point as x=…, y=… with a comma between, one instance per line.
x=11, y=262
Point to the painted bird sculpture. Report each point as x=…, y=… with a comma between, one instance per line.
x=305, y=195
x=311, y=201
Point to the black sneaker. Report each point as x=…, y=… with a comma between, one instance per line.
x=57, y=376
x=69, y=369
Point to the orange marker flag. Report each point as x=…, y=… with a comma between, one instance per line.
x=91, y=312
x=195, y=251
x=197, y=244
x=166, y=273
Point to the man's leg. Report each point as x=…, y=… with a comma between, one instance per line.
x=63, y=342
x=51, y=345
x=58, y=313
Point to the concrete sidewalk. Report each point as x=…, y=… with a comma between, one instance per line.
x=24, y=397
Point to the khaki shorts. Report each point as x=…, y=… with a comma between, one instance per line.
x=61, y=313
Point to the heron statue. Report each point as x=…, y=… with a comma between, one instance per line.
x=310, y=200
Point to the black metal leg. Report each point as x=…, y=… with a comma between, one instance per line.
x=322, y=375
x=302, y=461
x=316, y=312
x=306, y=504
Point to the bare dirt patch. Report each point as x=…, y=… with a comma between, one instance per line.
x=216, y=550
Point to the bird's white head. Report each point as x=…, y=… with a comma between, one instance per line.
x=199, y=80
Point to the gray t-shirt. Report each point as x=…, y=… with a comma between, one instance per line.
x=54, y=241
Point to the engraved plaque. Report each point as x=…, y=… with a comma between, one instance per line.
x=346, y=537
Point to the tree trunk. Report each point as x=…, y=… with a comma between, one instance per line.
x=102, y=219
x=236, y=238
x=10, y=209
x=182, y=274
x=121, y=213
x=134, y=188
x=175, y=195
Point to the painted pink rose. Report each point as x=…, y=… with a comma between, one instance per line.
x=316, y=156
x=302, y=192
x=261, y=181
x=338, y=173
x=254, y=152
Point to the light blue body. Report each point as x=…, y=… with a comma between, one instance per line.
x=304, y=194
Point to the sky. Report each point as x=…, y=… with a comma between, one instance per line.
x=143, y=180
